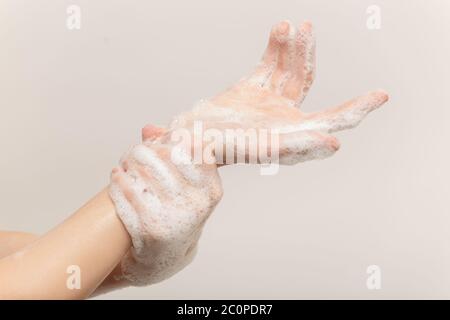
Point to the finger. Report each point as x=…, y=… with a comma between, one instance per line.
x=298, y=85
x=183, y=164
x=151, y=132
x=161, y=163
x=285, y=35
x=160, y=168
x=346, y=116
x=268, y=61
x=303, y=146
x=127, y=200
x=153, y=171
x=125, y=182
x=309, y=67
x=146, y=175
x=285, y=148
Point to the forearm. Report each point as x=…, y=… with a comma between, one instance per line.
x=93, y=238
x=12, y=241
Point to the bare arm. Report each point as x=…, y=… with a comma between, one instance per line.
x=12, y=241
x=93, y=238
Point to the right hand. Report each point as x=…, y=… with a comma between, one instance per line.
x=164, y=206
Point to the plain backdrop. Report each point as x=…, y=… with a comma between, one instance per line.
x=73, y=100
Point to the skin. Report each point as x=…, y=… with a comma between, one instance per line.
x=271, y=96
x=95, y=239
x=171, y=202
x=73, y=242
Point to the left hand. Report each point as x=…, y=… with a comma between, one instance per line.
x=270, y=98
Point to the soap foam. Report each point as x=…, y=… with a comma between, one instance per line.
x=165, y=232
x=147, y=157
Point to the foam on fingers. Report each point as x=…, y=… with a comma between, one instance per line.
x=302, y=146
x=268, y=62
x=163, y=212
x=346, y=116
x=149, y=158
x=285, y=34
x=306, y=41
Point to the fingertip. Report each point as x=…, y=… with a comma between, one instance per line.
x=380, y=96
x=330, y=142
x=333, y=143
x=151, y=132
x=283, y=30
x=306, y=26
x=116, y=174
x=376, y=99
x=284, y=26
x=384, y=96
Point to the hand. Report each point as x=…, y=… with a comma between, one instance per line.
x=271, y=96
x=164, y=205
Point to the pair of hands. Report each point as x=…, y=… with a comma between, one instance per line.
x=176, y=199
